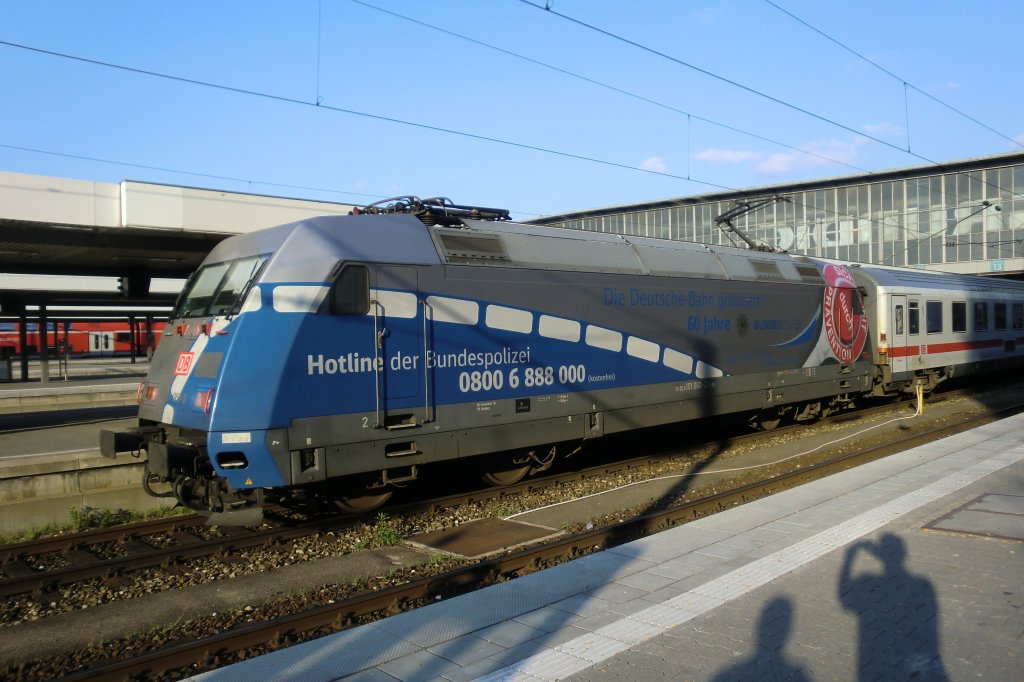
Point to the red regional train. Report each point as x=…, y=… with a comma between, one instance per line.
x=111, y=337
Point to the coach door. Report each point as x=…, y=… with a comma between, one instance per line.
x=398, y=328
x=898, y=334
x=101, y=343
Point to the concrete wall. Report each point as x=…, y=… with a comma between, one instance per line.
x=66, y=201
x=39, y=490
x=186, y=208
x=38, y=198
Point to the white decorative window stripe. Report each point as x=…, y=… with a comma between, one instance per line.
x=678, y=361
x=509, y=319
x=599, y=337
x=298, y=298
x=167, y=416
x=643, y=349
x=559, y=328
x=706, y=371
x=396, y=304
x=454, y=310
x=253, y=302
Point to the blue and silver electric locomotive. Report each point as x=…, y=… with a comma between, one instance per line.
x=343, y=354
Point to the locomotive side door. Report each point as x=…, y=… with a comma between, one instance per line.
x=399, y=342
x=898, y=335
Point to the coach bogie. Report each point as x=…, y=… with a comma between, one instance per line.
x=770, y=419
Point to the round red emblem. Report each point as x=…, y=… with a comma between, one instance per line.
x=846, y=325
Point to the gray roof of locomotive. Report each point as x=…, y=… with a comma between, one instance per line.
x=547, y=248
x=308, y=250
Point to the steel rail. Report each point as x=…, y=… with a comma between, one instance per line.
x=20, y=577
x=220, y=648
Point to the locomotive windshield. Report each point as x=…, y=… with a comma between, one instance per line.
x=218, y=288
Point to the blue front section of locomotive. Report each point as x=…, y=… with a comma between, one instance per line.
x=227, y=383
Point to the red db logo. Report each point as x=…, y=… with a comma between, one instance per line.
x=184, y=364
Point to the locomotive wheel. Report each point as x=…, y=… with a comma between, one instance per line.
x=361, y=504
x=502, y=477
x=507, y=468
x=358, y=495
x=514, y=466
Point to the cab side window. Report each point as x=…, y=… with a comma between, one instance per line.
x=350, y=294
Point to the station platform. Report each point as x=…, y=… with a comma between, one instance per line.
x=84, y=383
x=49, y=446
x=910, y=567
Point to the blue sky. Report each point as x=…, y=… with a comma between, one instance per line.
x=350, y=57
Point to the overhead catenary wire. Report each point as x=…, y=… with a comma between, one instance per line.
x=607, y=86
x=648, y=100
x=319, y=105
x=198, y=174
x=354, y=112
x=746, y=88
x=906, y=85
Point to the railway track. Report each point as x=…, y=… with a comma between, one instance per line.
x=251, y=639
x=40, y=567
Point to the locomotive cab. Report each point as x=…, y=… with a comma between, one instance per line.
x=178, y=396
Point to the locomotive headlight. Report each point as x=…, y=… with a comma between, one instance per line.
x=203, y=400
x=146, y=393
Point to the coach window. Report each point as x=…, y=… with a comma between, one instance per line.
x=1000, y=316
x=899, y=321
x=350, y=294
x=913, y=318
x=933, y=316
x=959, y=316
x=1018, y=315
x=980, y=317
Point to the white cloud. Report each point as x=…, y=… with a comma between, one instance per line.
x=704, y=16
x=654, y=163
x=775, y=163
x=882, y=129
x=726, y=155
